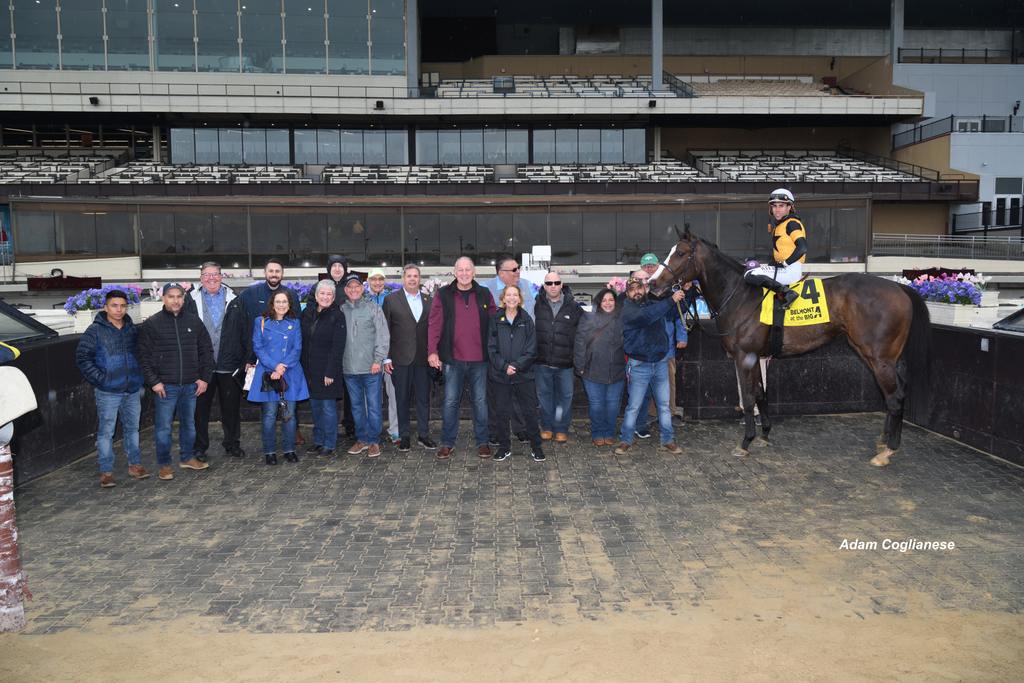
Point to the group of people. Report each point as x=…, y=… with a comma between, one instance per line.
x=516, y=348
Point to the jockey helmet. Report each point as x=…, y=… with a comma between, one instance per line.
x=781, y=195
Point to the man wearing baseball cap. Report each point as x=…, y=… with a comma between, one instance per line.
x=376, y=282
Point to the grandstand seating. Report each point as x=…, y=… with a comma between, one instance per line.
x=48, y=169
x=791, y=166
x=142, y=172
x=667, y=171
x=556, y=86
x=407, y=175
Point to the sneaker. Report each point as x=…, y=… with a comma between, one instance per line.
x=291, y=457
x=538, y=455
x=314, y=449
x=522, y=437
x=427, y=443
x=373, y=451
x=643, y=433
x=328, y=452
x=671, y=448
x=395, y=439
x=484, y=451
x=502, y=455
x=236, y=452
x=561, y=437
x=271, y=458
x=622, y=448
x=403, y=445
x=445, y=452
x=357, y=448
x=192, y=464
x=107, y=480
x=165, y=473
x=200, y=456
x=137, y=472
x=493, y=442
x=546, y=435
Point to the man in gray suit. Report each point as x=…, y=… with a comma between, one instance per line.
x=406, y=312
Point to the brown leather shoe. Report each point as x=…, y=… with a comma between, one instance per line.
x=137, y=472
x=107, y=480
x=357, y=448
x=561, y=438
x=546, y=436
x=609, y=441
x=622, y=448
x=373, y=451
x=598, y=442
x=193, y=464
x=672, y=448
x=484, y=451
x=444, y=452
x=165, y=473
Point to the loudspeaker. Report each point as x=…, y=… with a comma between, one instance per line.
x=379, y=105
x=94, y=101
x=652, y=103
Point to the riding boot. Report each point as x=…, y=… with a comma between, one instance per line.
x=758, y=280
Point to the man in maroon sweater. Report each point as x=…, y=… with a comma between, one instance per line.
x=458, y=326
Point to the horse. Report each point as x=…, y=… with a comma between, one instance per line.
x=885, y=323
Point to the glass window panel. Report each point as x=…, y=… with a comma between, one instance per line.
x=517, y=146
x=494, y=237
x=6, y=55
x=261, y=36
x=529, y=229
x=307, y=239
x=81, y=27
x=599, y=237
x=633, y=236
x=449, y=143
x=183, y=146
x=329, y=146
x=472, y=146
x=422, y=238
x=347, y=29
x=352, y=147
x=269, y=235
x=494, y=145
x=398, y=147
x=816, y=222
x=374, y=147
x=611, y=146
x=115, y=231
x=383, y=237
x=736, y=233
x=278, y=147
x=346, y=234
x=230, y=239
x=254, y=145
x=566, y=237
x=217, y=26
x=703, y=223
x=173, y=33
x=35, y=25
x=305, y=146
x=387, y=32
x=566, y=146
x=634, y=146
x=156, y=237
x=590, y=146
x=230, y=145
x=846, y=239
x=1008, y=185
x=544, y=146
x=305, y=35
x=193, y=236
x=663, y=230
x=127, y=35
x=207, y=144
x=458, y=236
x=34, y=232
x=426, y=147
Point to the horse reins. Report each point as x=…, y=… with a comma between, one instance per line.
x=692, y=308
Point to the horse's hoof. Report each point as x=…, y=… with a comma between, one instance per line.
x=740, y=452
x=882, y=458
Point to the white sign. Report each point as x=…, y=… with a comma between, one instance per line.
x=542, y=252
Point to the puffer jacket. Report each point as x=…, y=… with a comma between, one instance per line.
x=556, y=335
x=511, y=343
x=598, y=355
x=108, y=357
x=175, y=349
x=323, y=348
x=366, y=336
x=643, y=329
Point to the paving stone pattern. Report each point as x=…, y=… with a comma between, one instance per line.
x=406, y=540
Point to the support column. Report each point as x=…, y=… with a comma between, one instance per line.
x=156, y=144
x=657, y=44
x=895, y=30
x=412, y=46
x=657, y=144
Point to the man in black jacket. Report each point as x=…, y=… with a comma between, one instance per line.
x=557, y=315
x=176, y=357
x=221, y=312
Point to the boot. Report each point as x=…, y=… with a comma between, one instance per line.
x=757, y=280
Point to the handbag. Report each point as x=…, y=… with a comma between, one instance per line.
x=278, y=386
x=16, y=395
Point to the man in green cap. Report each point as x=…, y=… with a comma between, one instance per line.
x=649, y=263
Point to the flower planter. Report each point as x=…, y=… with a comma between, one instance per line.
x=952, y=314
x=84, y=318
x=990, y=297
x=144, y=310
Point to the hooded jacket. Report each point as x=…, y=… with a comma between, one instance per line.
x=339, y=290
x=366, y=338
x=108, y=357
x=556, y=334
x=598, y=354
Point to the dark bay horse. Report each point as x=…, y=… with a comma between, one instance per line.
x=886, y=324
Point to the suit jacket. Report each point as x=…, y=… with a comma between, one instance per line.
x=408, y=337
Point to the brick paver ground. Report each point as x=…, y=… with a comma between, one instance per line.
x=405, y=540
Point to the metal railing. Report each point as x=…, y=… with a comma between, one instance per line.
x=958, y=124
x=677, y=85
x=993, y=221
x=945, y=55
x=893, y=164
x=948, y=246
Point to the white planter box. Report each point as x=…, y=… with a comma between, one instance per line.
x=952, y=314
x=989, y=297
x=144, y=310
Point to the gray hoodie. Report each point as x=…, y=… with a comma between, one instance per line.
x=367, y=339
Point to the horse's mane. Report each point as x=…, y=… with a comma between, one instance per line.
x=723, y=257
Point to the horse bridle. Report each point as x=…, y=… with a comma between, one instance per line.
x=692, y=308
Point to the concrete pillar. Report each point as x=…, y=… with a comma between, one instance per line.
x=412, y=46
x=895, y=30
x=657, y=43
x=657, y=143
x=156, y=145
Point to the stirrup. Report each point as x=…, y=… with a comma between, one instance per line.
x=789, y=297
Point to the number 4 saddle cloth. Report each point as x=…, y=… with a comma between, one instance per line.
x=810, y=309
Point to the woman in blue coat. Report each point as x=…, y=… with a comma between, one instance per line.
x=277, y=343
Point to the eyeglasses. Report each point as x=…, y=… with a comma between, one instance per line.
x=553, y=283
x=510, y=270
x=212, y=275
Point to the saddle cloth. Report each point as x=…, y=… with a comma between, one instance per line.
x=810, y=309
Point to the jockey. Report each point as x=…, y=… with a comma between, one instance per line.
x=789, y=249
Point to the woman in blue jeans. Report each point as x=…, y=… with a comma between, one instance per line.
x=277, y=343
x=599, y=359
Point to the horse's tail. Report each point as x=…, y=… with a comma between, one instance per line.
x=917, y=354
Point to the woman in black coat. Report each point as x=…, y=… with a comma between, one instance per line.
x=601, y=363
x=511, y=351
x=323, y=346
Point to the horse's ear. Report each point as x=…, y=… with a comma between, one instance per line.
x=685, y=234
x=679, y=233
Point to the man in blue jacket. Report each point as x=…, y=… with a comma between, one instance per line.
x=645, y=343
x=107, y=356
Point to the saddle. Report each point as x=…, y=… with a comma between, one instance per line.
x=810, y=308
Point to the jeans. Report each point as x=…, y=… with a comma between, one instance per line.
x=554, y=393
x=325, y=422
x=364, y=390
x=456, y=373
x=642, y=375
x=604, y=402
x=108, y=406
x=180, y=398
x=269, y=420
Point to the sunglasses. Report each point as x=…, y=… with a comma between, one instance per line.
x=553, y=283
x=510, y=270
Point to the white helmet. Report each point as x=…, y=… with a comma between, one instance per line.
x=781, y=195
